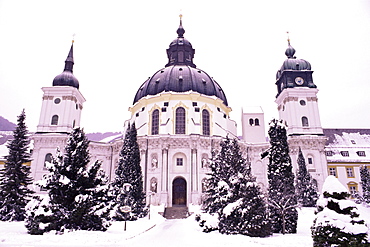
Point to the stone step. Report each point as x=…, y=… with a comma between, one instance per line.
x=176, y=212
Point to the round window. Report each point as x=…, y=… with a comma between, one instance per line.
x=57, y=101
x=302, y=102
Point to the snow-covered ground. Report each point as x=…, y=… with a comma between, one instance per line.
x=158, y=232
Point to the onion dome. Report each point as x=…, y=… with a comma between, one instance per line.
x=180, y=73
x=66, y=78
x=292, y=63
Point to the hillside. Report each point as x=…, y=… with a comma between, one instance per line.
x=5, y=125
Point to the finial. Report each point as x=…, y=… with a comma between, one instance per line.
x=288, y=37
x=73, y=38
x=180, y=30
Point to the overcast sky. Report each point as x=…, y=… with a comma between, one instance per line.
x=119, y=44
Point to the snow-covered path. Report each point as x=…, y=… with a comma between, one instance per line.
x=156, y=232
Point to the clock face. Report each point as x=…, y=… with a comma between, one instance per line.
x=299, y=80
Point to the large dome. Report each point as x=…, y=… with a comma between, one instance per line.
x=180, y=73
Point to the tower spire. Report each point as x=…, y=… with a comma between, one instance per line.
x=69, y=61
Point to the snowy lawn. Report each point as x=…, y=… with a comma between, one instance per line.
x=158, y=232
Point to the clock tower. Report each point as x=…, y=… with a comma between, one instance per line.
x=297, y=96
x=298, y=108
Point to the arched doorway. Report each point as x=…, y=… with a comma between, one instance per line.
x=179, y=192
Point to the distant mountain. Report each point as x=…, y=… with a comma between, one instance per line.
x=105, y=137
x=5, y=125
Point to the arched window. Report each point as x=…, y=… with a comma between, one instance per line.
x=180, y=121
x=48, y=158
x=257, y=122
x=305, y=122
x=54, y=120
x=205, y=122
x=251, y=122
x=155, y=122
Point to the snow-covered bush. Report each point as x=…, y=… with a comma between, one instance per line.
x=77, y=193
x=232, y=194
x=337, y=219
x=208, y=222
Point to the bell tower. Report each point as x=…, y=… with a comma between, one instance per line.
x=298, y=108
x=60, y=113
x=61, y=103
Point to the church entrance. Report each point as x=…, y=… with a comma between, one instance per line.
x=179, y=192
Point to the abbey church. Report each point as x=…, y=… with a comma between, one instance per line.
x=181, y=114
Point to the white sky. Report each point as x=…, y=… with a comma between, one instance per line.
x=119, y=44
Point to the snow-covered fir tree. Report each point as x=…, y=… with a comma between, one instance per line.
x=281, y=192
x=77, y=194
x=15, y=176
x=234, y=195
x=365, y=184
x=128, y=172
x=306, y=190
x=337, y=222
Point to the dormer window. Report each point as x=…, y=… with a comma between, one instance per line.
x=344, y=153
x=361, y=153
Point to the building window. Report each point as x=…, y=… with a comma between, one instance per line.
x=353, y=188
x=205, y=122
x=48, y=158
x=54, y=120
x=353, y=141
x=179, y=161
x=251, y=122
x=305, y=122
x=361, y=153
x=155, y=122
x=333, y=171
x=180, y=121
x=195, y=103
x=350, y=173
x=302, y=102
x=344, y=153
x=165, y=104
x=257, y=122
x=57, y=101
x=164, y=109
x=310, y=161
x=329, y=153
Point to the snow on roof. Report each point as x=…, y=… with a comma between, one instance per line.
x=348, y=145
x=252, y=109
x=111, y=138
x=332, y=185
x=345, y=136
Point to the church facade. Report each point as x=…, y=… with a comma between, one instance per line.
x=181, y=115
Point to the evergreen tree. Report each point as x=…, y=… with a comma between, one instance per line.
x=129, y=172
x=365, y=184
x=77, y=193
x=15, y=176
x=282, y=199
x=337, y=221
x=234, y=195
x=306, y=191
